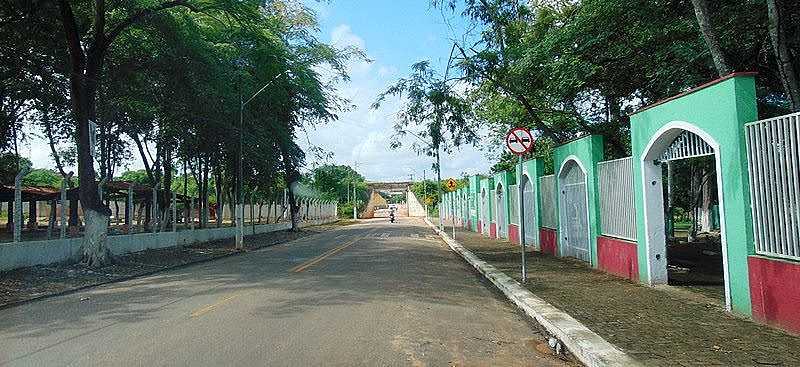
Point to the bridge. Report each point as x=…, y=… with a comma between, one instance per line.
x=377, y=205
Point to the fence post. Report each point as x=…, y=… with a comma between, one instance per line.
x=129, y=209
x=154, y=211
x=174, y=213
x=190, y=217
x=63, y=222
x=18, y=204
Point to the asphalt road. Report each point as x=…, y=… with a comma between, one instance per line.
x=373, y=294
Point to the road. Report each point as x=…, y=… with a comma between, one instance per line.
x=372, y=294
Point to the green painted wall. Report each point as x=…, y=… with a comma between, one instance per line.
x=720, y=110
x=588, y=151
x=487, y=184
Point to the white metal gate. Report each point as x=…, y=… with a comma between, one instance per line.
x=574, y=214
x=617, y=209
x=773, y=154
x=529, y=203
x=501, y=212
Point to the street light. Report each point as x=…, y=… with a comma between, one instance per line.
x=239, y=199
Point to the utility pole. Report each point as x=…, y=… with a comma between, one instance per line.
x=239, y=206
x=355, y=203
x=239, y=215
x=439, y=189
x=425, y=193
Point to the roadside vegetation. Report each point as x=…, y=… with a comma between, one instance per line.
x=164, y=82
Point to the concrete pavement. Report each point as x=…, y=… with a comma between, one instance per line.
x=374, y=294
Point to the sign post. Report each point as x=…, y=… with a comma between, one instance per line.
x=520, y=141
x=452, y=185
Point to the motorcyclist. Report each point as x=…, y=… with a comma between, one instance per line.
x=391, y=215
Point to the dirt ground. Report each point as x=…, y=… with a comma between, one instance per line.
x=665, y=326
x=27, y=283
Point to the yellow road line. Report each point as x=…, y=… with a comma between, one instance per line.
x=310, y=263
x=209, y=308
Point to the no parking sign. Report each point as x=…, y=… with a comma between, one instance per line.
x=519, y=140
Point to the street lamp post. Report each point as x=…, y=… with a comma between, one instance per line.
x=240, y=174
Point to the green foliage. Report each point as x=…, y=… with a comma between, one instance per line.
x=336, y=182
x=434, y=113
x=42, y=177
x=570, y=68
x=168, y=89
x=9, y=167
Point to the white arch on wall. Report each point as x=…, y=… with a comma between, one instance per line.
x=499, y=189
x=654, y=238
x=526, y=178
x=564, y=163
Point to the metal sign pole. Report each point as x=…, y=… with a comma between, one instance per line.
x=521, y=205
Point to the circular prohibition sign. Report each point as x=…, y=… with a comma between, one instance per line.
x=519, y=140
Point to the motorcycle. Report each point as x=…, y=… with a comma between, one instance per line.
x=391, y=217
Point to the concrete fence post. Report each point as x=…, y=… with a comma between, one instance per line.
x=174, y=212
x=63, y=221
x=190, y=217
x=18, y=204
x=129, y=209
x=154, y=211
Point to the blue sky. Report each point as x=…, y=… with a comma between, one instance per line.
x=394, y=34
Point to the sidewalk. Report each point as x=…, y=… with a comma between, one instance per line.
x=655, y=326
x=25, y=284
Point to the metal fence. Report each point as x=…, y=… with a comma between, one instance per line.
x=547, y=187
x=617, y=209
x=513, y=201
x=773, y=154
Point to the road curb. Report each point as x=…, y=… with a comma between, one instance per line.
x=146, y=273
x=588, y=347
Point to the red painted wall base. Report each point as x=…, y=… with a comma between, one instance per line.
x=492, y=230
x=618, y=257
x=775, y=292
x=547, y=240
x=513, y=233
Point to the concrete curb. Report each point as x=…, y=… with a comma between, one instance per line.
x=588, y=347
x=149, y=272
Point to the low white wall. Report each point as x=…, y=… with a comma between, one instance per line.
x=31, y=253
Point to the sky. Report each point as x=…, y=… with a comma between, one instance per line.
x=394, y=35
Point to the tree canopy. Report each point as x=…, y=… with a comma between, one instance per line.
x=184, y=85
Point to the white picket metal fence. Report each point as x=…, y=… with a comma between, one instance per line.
x=617, y=208
x=513, y=199
x=547, y=187
x=773, y=154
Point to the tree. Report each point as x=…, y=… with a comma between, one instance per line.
x=784, y=33
x=711, y=37
x=42, y=177
x=10, y=165
x=434, y=113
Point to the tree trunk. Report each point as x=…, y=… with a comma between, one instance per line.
x=705, y=206
x=85, y=75
x=787, y=65
x=711, y=38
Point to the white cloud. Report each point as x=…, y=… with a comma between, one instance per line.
x=343, y=36
x=362, y=136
